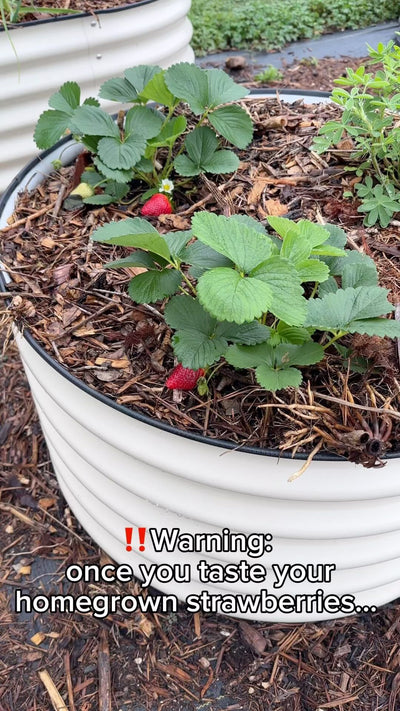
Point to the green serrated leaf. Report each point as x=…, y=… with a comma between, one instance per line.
x=133, y=232
x=144, y=121
x=136, y=259
x=101, y=199
x=282, y=277
x=93, y=121
x=140, y=76
x=305, y=354
x=222, y=89
x=312, y=270
x=328, y=287
x=230, y=297
x=241, y=244
x=157, y=90
x=120, y=176
x=186, y=313
x=177, y=242
x=67, y=98
x=186, y=167
x=273, y=380
x=201, y=145
x=202, y=257
x=283, y=226
x=153, y=285
x=337, y=236
x=170, y=132
x=50, y=127
x=196, y=350
x=91, y=177
x=234, y=124
x=359, y=270
x=292, y=334
x=188, y=82
x=376, y=327
x=118, y=89
x=241, y=356
x=250, y=222
x=91, y=101
x=247, y=333
x=336, y=311
x=119, y=155
x=221, y=162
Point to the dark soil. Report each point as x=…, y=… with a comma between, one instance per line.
x=82, y=315
x=310, y=73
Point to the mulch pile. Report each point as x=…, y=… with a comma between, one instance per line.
x=175, y=662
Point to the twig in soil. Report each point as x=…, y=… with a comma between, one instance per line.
x=346, y=403
x=33, y=216
x=55, y=698
x=59, y=201
x=104, y=670
x=67, y=665
x=22, y=517
x=86, y=319
x=397, y=317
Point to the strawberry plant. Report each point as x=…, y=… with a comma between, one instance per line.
x=370, y=119
x=149, y=142
x=272, y=303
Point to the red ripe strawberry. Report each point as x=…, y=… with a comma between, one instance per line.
x=157, y=205
x=183, y=378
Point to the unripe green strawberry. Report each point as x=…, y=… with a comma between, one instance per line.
x=84, y=190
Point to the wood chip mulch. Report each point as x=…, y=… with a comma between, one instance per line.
x=173, y=662
x=83, y=316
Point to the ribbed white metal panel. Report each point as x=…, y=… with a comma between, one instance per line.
x=87, y=49
x=117, y=471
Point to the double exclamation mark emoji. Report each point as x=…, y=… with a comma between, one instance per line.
x=142, y=537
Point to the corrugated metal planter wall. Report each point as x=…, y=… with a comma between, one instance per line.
x=119, y=469
x=88, y=49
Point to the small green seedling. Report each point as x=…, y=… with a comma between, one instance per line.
x=269, y=74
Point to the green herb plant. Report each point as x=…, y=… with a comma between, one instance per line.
x=236, y=292
x=371, y=119
x=145, y=143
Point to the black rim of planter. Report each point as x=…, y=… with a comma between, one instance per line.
x=224, y=444
x=61, y=18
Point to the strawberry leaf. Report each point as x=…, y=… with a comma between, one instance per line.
x=144, y=121
x=133, y=232
x=121, y=155
x=283, y=279
x=153, y=285
x=243, y=245
x=234, y=124
x=344, y=309
x=231, y=297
